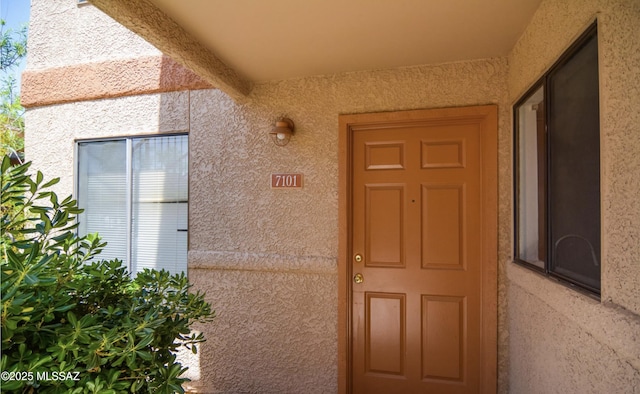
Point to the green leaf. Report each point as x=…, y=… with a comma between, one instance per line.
x=144, y=342
x=51, y=183
x=11, y=324
x=144, y=355
x=10, y=385
x=71, y=317
x=64, y=308
x=39, y=361
x=6, y=163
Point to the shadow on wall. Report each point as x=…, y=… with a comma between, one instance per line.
x=161, y=188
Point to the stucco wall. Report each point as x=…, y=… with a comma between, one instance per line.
x=62, y=33
x=51, y=131
x=268, y=258
x=79, y=52
x=560, y=340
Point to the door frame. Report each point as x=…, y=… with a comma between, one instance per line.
x=489, y=218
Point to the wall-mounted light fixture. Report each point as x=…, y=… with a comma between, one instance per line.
x=282, y=132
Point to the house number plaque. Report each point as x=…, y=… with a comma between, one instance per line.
x=286, y=181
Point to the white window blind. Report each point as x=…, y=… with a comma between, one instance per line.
x=152, y=206
x=102, y=193
x=159, y=191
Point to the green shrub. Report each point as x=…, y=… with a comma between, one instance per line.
x=72, y=325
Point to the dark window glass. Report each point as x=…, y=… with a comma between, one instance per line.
x=557, y=160
x=574, y=181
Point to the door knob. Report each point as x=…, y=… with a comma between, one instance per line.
x=358, y=278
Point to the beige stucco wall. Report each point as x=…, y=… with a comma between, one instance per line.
x=77, y=53
x=62, y=33
x=268, y=258
x=51, y=131
x=561, y=340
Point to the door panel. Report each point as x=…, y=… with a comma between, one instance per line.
x=443, y=337
x=443, y=226
x=443, y=154
x=384, y=155
x=385, y=333
x=420, y=212
x=384, y=216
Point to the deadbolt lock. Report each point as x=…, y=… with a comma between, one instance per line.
x=358, y=278
x=358, y=258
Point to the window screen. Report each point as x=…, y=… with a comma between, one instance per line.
x=557, y=169
x=135, y=195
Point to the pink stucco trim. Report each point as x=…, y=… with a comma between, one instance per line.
x=107, y=79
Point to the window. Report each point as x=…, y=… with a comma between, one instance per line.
x=557, y=169
x=135, y=195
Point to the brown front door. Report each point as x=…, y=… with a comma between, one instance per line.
x=422, y=248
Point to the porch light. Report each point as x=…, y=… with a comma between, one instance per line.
x=282, y=132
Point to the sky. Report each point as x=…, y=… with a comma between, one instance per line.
x=15, y=13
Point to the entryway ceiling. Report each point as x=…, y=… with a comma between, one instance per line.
x=233, y=44
x=281, y=39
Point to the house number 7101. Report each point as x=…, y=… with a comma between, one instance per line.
x=279, y=181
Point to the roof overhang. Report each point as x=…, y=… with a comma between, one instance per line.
x=233, y=44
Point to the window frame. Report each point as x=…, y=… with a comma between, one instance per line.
x=129, y=140
x=544, y=83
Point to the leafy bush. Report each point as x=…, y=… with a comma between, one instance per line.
x=71, y=325
x=13, y=48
